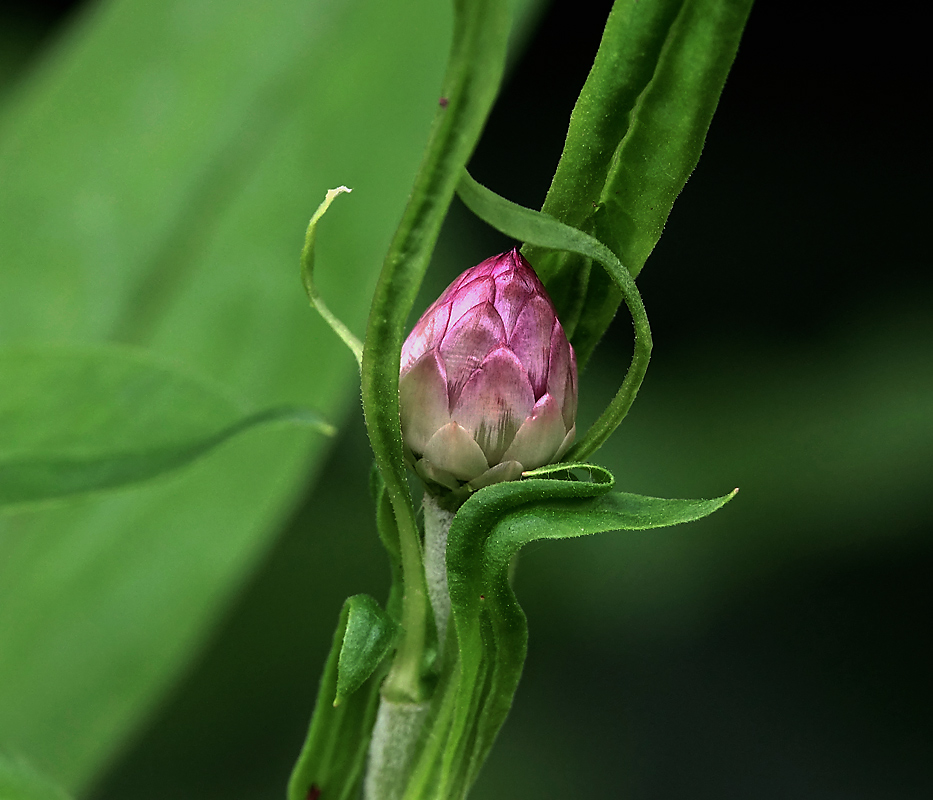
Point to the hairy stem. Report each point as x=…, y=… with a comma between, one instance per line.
x=436, y=525
x=393, y=748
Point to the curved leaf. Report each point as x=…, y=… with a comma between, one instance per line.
x=635, y=135
x=471, y=606
x=487, y=532
x=551, y=519
x=79, y=419
x=370, y=635
x=445, y=766
x=544, y=230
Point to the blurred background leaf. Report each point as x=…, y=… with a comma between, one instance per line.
x=777, y=649
x=159, y=164
x=80, y=419
x=18, y=781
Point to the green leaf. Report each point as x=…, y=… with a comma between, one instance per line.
x=18, y=781
x=567, y=517
x=474, y=72
x=334, y=753
x=635, y=135
x=79, y=419
x=487, y=532
x=474, y=525
x=446, y=766
x=370, y=636
x=159, y=166
x=543, y=230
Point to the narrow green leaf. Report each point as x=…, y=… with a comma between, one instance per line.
x=80, y=419
x=333, y=757
x=19, y=781
x=307, y=278
x=444, y=766
x=635, y=135
x=543, y=230
x=613, y=511
x=477, y=702
x=485, y=537
x=556, y=519
x=474, y=72
x=370, y=635
x=571, y=471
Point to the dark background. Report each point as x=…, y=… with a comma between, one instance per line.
x=779, y=649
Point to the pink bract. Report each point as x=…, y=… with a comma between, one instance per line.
x=488, y=383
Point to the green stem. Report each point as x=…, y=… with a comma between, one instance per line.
x=473, y=75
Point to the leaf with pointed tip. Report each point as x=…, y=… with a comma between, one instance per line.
x=487, y=532
x=370, y=635
x=488, y=594
x=82, y=419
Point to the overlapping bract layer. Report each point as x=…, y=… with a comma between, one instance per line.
x=488, y=382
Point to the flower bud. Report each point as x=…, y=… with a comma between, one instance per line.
x=488, y=382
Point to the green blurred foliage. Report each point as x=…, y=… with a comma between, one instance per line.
x=777, y=649
x=18, y=781
x=75, y=420
x=159, y=163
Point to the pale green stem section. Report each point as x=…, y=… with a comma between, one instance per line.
x=393, y=748
x=436, y=525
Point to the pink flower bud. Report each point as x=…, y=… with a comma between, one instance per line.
x=488, y=384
